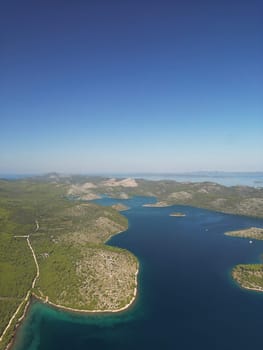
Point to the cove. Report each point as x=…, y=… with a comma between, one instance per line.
x=186, y=297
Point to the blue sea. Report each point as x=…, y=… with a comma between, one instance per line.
x=186, y=300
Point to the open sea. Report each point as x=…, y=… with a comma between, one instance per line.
x=186, y=297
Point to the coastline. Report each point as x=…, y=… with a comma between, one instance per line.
x=69, y=309
x=85, y=311
x=63, y=308
x=31, y=294
x=19, y=324
x=254, y=289
x=259, y=290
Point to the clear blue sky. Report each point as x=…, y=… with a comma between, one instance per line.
x=131, y=86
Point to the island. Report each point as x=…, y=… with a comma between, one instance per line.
x=53, y=240
x=177, y=214
x=249, y=276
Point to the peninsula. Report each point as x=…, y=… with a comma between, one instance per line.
x=251, y=232
x=55, y=249
x=120, y=207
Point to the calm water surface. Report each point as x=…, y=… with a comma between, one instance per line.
x=186, y=297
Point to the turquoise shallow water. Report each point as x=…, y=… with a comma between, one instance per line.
x=186, y=298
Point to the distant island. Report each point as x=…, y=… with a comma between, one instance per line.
x=157, y=205
x=177, y=214
x=53, y=240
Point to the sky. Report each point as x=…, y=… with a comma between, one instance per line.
x=131, y=86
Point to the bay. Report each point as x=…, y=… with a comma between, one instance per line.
x=186, y=297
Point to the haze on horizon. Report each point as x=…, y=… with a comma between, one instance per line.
x=131, y=86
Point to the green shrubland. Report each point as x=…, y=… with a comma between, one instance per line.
x=68, y=229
